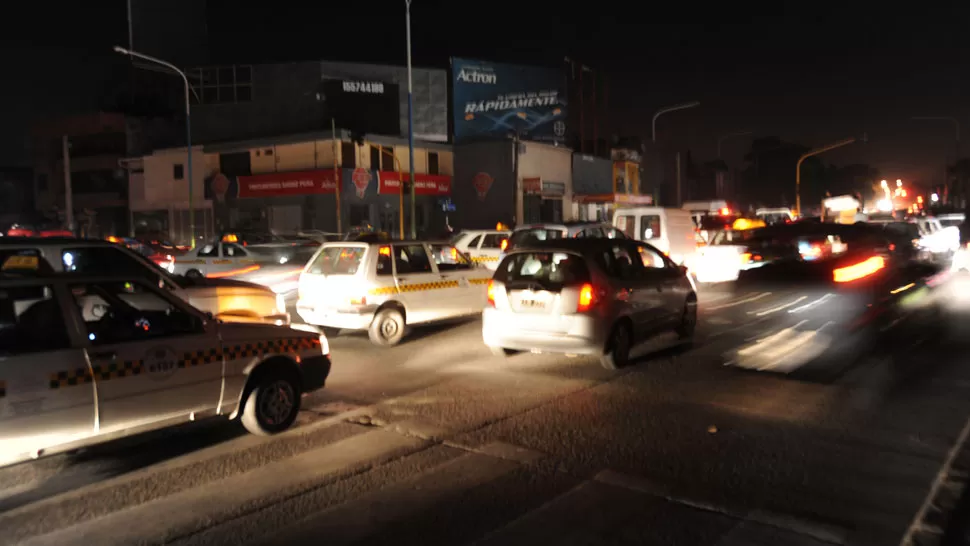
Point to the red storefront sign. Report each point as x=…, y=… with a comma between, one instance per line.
x=532, y=186
x=290, y=183
x=424, y=184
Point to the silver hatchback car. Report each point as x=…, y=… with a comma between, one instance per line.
x=586, y=296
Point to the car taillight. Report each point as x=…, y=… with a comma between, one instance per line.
x=586, y=298
x=491, y=293
x=505, y=244
x=860, y=270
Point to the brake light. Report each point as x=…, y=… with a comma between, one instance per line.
x=725, y=211
x=491, y=293
x=505, y=244
x=586, y=299
x=860, y=270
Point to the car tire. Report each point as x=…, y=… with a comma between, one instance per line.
x=193, y=274
x=272, y=405
x=387, y=328
x=330, y=331
x=688, y=321
x=617, y=352
x=501, y=351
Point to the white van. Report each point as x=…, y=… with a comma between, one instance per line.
x=670, y=230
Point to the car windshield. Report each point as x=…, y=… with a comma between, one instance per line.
x=337, y=260
x=533, y=235
x=542, y=270
x=732, y=237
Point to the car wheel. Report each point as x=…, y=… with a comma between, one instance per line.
x=330, y=331
x=688, y=321
x=193, y=274
x=617, y=352
x=272, y=406
x=501, y=351
x=387, y=328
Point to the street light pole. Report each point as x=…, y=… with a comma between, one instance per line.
x=188, y=125
x=407, y=22
x=798, y=168
x=669, y=109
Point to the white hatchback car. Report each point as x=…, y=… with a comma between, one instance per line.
x=384, y=287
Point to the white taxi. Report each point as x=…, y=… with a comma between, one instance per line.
x=87, y=359
x=483, y=246
x=384, y=287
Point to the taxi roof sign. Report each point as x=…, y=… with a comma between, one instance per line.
x=742, y=224
x=230, y=238
x=30, y=263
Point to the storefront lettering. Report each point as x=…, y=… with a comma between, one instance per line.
x=510, y=102
x=374, y=88
x=474, y=76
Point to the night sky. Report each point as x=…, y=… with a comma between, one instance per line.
x=811, y=76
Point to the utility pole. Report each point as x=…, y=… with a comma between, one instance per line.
x=414, y=229
x=680, y=200
x=798, y=168
x=68, y=190
x=336, y=170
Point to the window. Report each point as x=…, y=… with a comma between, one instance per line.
x=375, y=158
x=542, y=270
x=222, y=84
x=590, y=233
x=448, y=258
x=531, y=236
x=627, y=265
x=359, y=216
x=411, y=259
x=649, y=227
x=337, y=260
x=474, y=242
x=208, y=251
x=31, y=321
x=233, y=251
x=106, y=261
x=433, y=163
x=348, y=155
x=387, y=159
x=627, y=224
x=120, y=312
x=651, y=258
x=493, y=240
x=178, y=171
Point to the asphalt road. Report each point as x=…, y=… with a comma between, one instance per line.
x=437, y=442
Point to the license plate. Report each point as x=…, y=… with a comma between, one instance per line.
x=532, y=304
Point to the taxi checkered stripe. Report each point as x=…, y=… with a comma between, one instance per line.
x=421, y=287
x=128, y=368
x=3, y=389
x=484, y=258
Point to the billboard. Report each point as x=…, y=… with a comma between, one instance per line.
x=497, y=100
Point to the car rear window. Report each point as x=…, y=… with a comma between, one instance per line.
x=533, y=235
x=543, y=270
x=337, y=260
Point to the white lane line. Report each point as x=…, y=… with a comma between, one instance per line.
x=764, y=312
x=739, y=302
x=917, y=523
x=811, y=304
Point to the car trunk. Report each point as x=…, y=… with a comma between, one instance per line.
x=540, y=290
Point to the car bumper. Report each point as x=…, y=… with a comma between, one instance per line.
x=573, y=334
x=316, y=369
x=345, y=319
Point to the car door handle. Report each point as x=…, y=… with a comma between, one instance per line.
x=104, y=355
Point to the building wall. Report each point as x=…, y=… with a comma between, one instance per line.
x=476, y=210
x=162, y=190
x=592, y=175
x=287, y=99
x=549, y=164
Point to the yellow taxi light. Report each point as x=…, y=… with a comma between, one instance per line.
x=742, y=224
x=230, y=238
x=113, y=239
x=21, y=262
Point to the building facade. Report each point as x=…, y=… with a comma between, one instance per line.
x=266, y=100
x=290, y=184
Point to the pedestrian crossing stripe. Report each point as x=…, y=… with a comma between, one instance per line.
x=424, y=286
x=130, y=368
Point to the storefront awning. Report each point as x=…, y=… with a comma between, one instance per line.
x=424, y=184
x=288, y=183
x=614, y=198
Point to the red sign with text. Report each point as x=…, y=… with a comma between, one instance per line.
x=290, y=183
x=424, y=184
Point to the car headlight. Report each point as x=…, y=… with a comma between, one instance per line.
x=280, y=303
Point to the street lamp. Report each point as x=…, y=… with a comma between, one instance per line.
x=407, y=22
x=669, y=109
x=188, y=124
x=806, y=155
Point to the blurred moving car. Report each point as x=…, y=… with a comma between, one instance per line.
x=384, y=287
x=586, y=296
x=226, y=299
x=771, y=216
x=38, y=230
x=101, y=357
x=275, y=267
x=165, y=261
x=484, y=246
x=725, y=256
x=818, y=314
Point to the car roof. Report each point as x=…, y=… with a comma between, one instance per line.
x=584, y=244
x=49, y=241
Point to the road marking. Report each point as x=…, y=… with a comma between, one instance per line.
x=918, y=524
x=739, y=302
x=764, y=312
